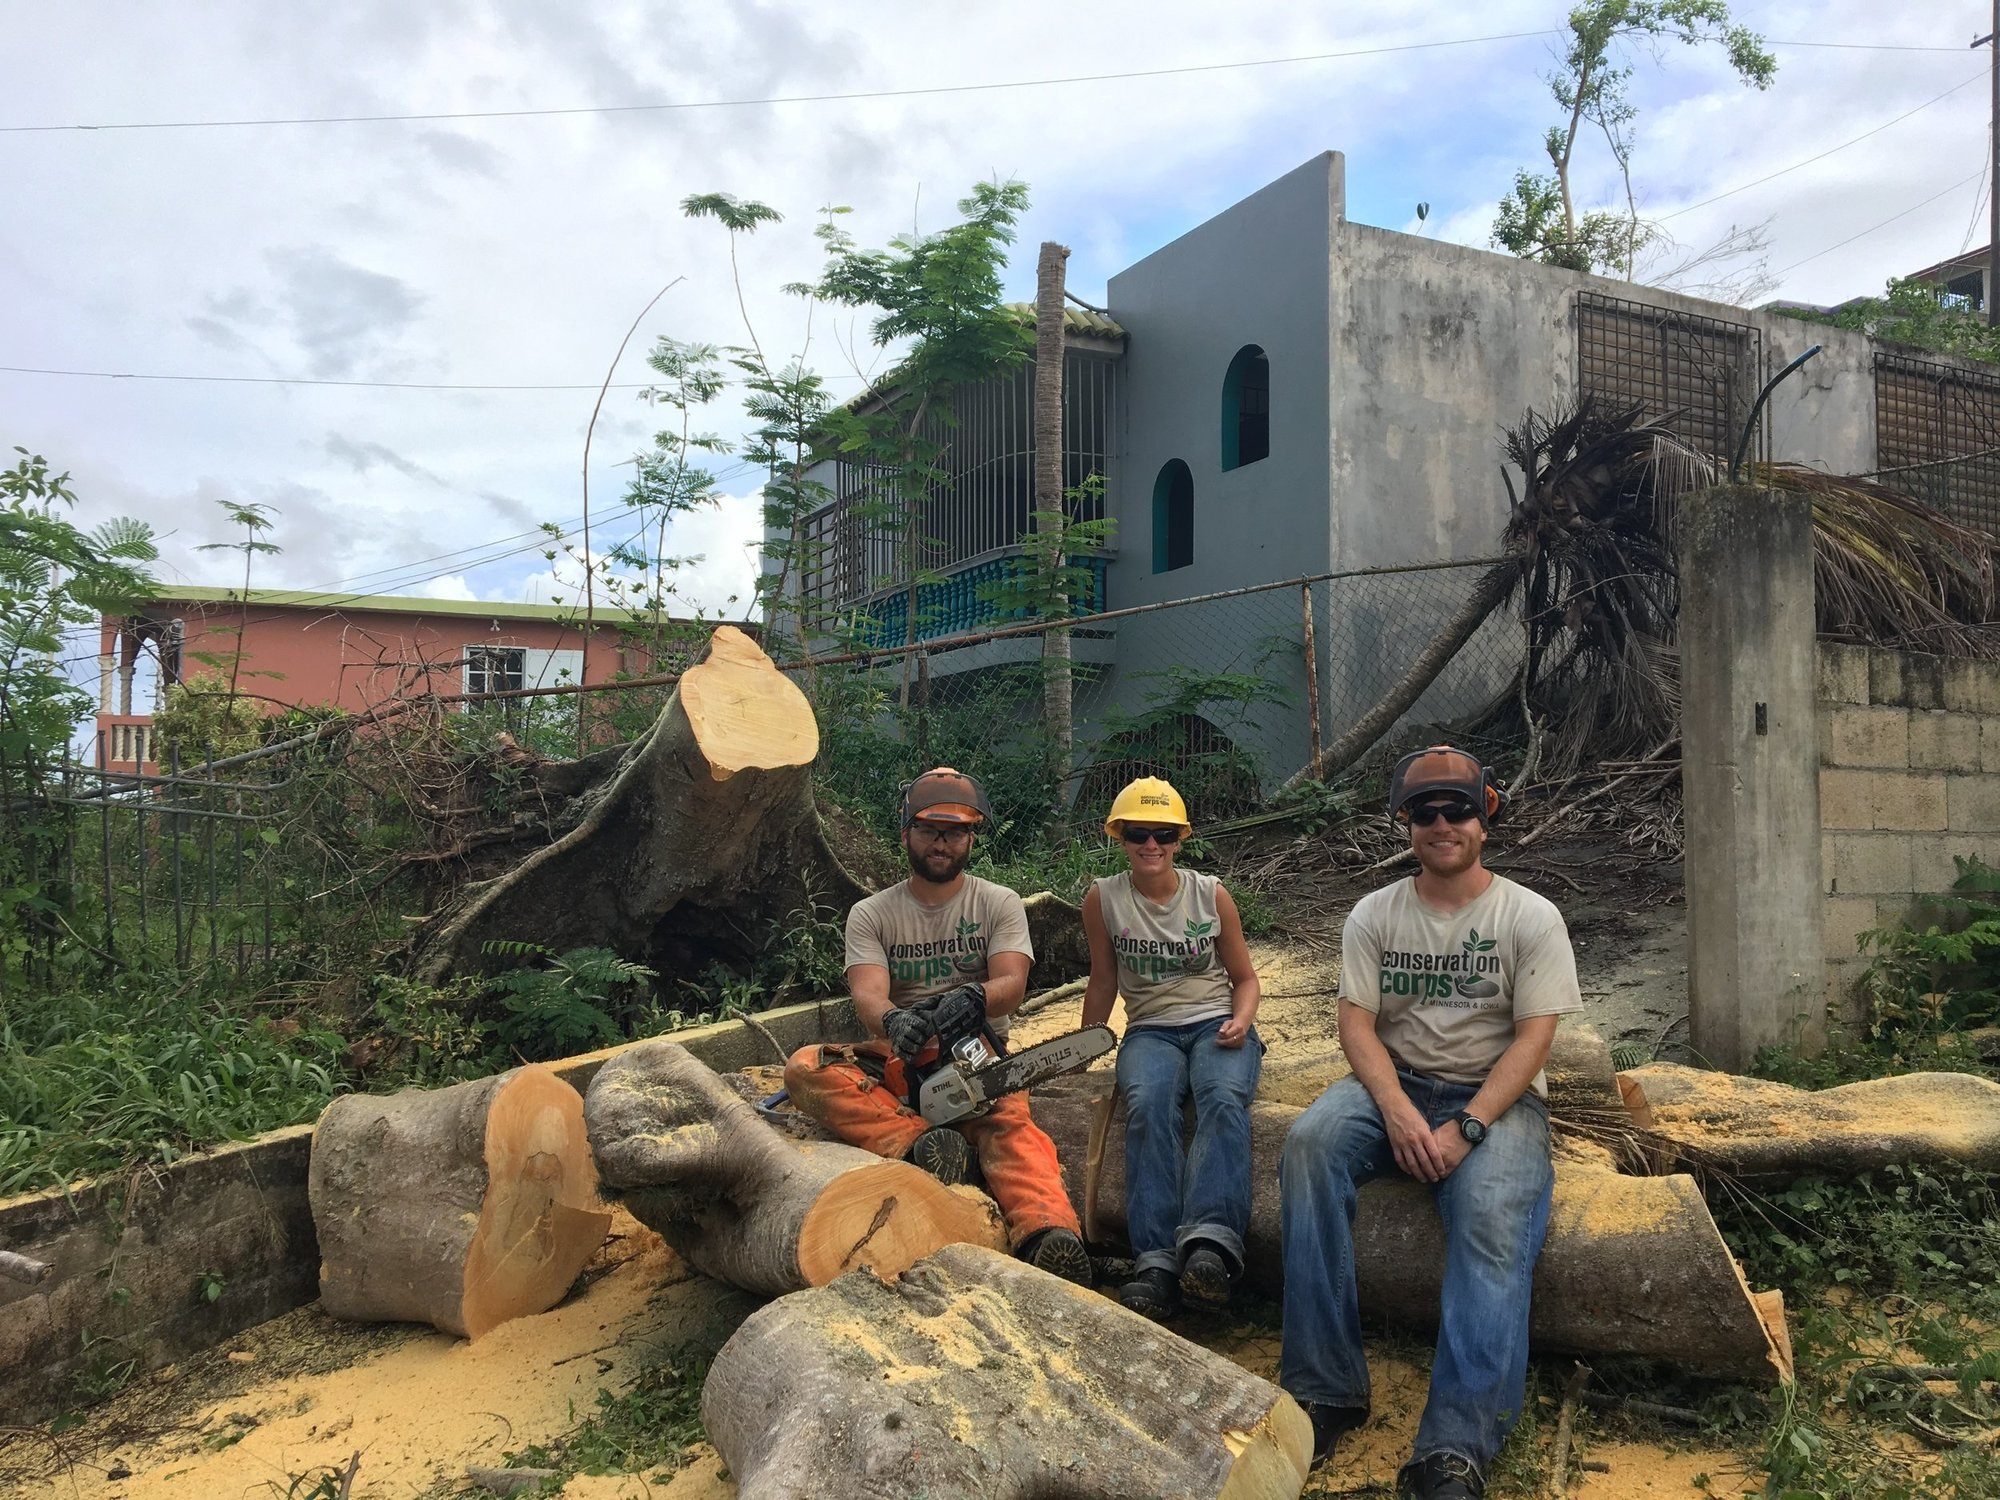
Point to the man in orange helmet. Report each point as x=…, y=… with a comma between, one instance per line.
x=945, y=933
x=1452, y=983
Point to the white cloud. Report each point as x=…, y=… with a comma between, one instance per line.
x=716, y=552
x=517, y=251
x=445, y=586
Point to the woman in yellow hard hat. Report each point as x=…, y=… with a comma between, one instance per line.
x=1170, y=943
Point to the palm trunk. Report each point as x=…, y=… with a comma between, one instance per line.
x=1048, y=417
x=1491, y=591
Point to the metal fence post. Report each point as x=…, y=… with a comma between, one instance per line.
x=174, y=832
x=1306, y=639
x=104, y=840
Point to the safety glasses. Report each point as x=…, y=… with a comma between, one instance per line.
x=1164, y=837
x=1427, y=813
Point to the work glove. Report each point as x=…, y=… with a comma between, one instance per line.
x=959, y=1012
x=909, y=1031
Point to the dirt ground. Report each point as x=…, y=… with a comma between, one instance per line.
x=276, y=1410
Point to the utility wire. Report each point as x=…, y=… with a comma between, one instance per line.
x=373, y=385
x=943, y=88
x=1963, y=181
x=1822, y=156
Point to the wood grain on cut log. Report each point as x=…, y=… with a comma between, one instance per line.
x=460, y=1207
x=745, y=1204
x=976, y=1375
x=1771, y=1132
x=706, y=825
x=1632, y=1265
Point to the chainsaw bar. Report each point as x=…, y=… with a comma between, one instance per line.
x=1041, y=1062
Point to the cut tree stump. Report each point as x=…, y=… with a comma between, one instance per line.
x=1632, y=1265
x=460, y=1207
x=745, y=1204
x=1771, y=1132
x=974, y=1374
x=673, y=851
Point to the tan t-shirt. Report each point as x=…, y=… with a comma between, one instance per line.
x=1169, y=971
x=930, y=949
x=1447, y=988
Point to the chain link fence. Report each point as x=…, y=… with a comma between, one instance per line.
x=1225, y=694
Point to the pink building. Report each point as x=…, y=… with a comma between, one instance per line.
x=303, y=649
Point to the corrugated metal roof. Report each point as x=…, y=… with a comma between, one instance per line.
x=1077, y=320
x=399, y=604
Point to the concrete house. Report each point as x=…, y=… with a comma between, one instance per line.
x=1282, y=392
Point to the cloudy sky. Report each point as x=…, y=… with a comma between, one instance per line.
x=517, y=250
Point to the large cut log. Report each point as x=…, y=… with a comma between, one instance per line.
x=1771, y=1132
x=702, y=833
x=460, y=1207
x=977, y=1375
x=745, y=1204
x=1632, y=1265
x=1581, y=1075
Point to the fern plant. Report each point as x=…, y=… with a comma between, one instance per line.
x=1943, y=978
x=573, y=1002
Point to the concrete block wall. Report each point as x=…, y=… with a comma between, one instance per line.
x=1909, y=778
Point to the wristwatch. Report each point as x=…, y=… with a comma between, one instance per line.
x=1470, y=1126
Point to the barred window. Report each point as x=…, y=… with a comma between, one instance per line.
x=495, y=669
x=1937, y=429
x=1697, y=374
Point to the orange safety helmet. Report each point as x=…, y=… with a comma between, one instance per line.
x=945, y=795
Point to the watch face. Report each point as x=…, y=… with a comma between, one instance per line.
x=1471, y=1129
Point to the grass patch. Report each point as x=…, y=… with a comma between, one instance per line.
x=648, y=1429
x=93, y=1082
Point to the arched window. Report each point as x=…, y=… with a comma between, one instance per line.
x=1173, y=518
x=1246, y=408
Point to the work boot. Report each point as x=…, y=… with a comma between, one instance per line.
x=1152, y=1293
x=1330, y=1425
x=944, y=1153
x=1440, y=1476
x=1205, y=1276
x=1059, y=1252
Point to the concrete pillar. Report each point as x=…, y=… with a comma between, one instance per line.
x=1750, y=773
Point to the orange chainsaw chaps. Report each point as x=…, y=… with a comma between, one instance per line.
x=1017, y=1158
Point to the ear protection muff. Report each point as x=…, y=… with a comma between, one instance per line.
x=1490, y=797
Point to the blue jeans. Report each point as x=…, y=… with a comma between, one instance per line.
x=1158, y=1068
x=1495, y=1210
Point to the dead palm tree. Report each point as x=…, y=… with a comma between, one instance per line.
x=1590, y=566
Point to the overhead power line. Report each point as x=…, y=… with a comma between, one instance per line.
x=1962, y=182
x=857, y=95
x=1822, y=156
x=665, y=106
x=367, y=385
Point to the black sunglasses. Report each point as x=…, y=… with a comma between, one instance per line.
x=1426, y=813
x=1164, y=837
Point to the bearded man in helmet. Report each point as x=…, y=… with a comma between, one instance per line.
x=1451, y=986
x=942, y=932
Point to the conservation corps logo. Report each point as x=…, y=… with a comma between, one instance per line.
x=926, y=963
x=1162, y=958
x=1464, y=980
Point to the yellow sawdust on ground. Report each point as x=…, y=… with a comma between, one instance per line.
x=420, y=1413
x=1637, y=1469
x=1374, y=1453
x=703, y=1478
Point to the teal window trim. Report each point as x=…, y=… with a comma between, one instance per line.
x=1234, y=425
x=1173, y=517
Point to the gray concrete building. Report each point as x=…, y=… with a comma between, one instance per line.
x=1281, y=392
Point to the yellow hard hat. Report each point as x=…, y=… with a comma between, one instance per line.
x=1148, y=800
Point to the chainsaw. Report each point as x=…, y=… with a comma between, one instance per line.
x=974, y=1067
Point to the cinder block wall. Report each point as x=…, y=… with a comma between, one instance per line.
x=1909, y=750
